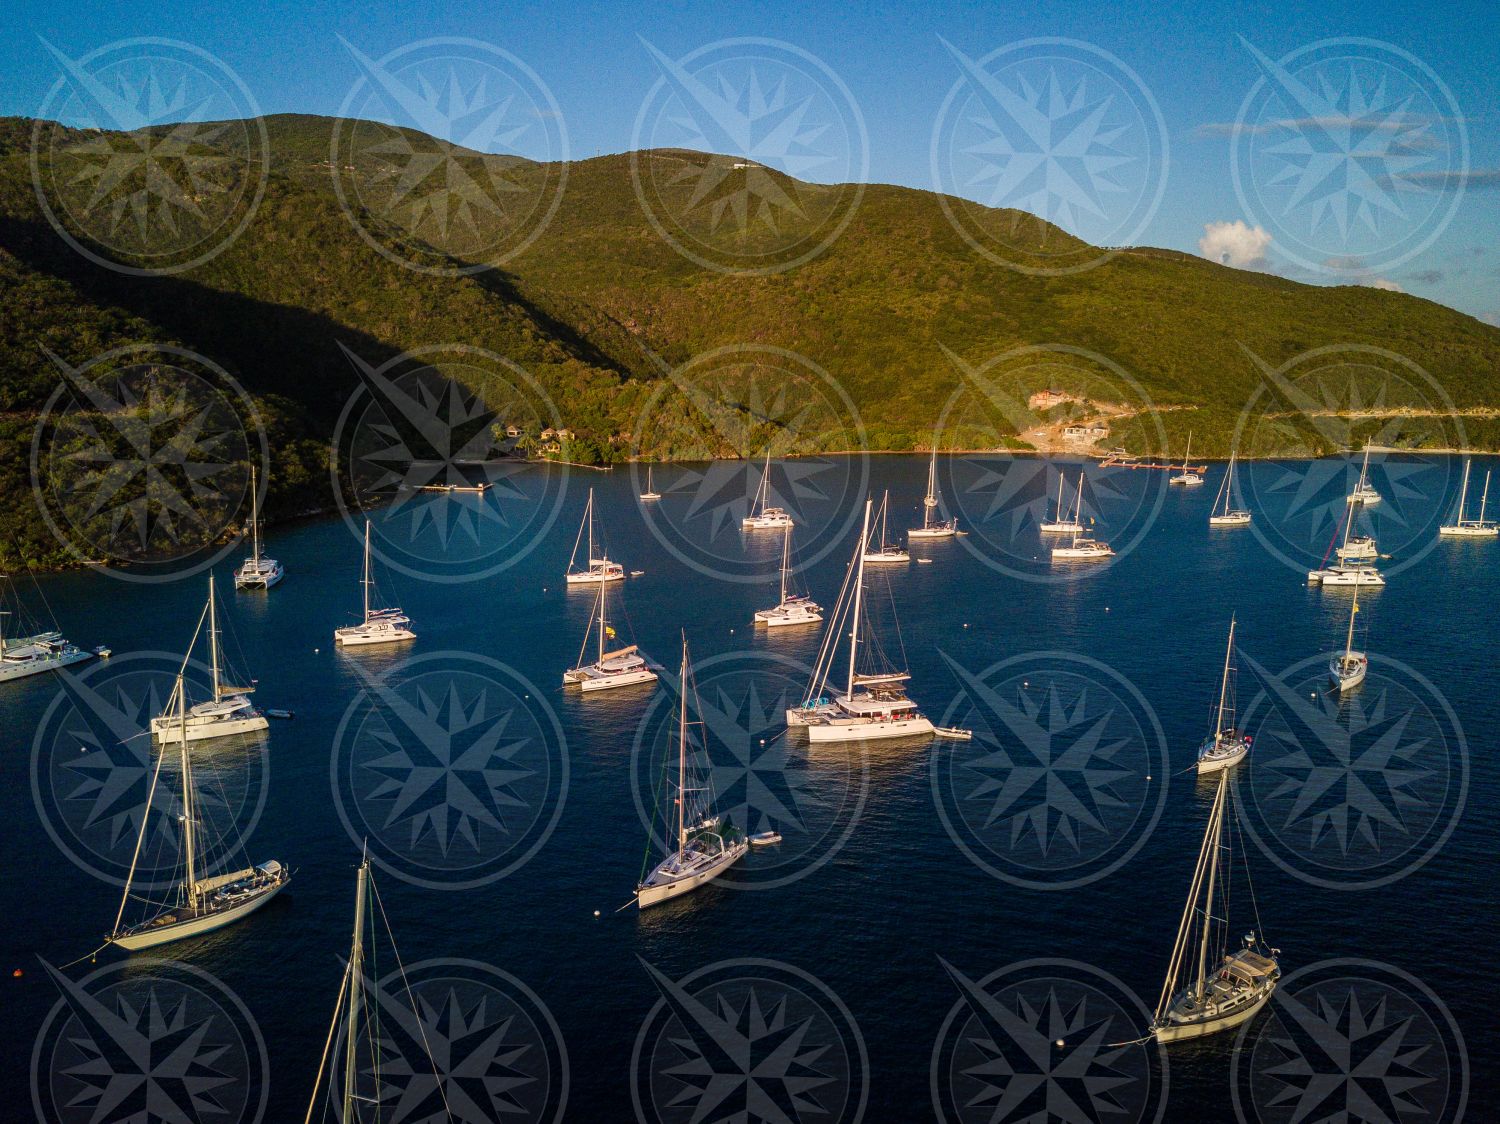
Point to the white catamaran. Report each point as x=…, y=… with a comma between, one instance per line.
x=258, y=571
x=887, y=552
x=1347, y=669
x=1187, y=478
x=874, y=705
x=228, y=712
x=621, y=667
x=763, y=517
x=599, y=567
x=1364, y=492
x=1480, y=528
x=1063, y=523
x=1227, y=746
x=1083, y=548
x=380, y=626
x=200, y=905
x=793, y=608
x=1209, y=989
x=932, y=527
x=1352, y=567
x=21, y=656
x=706, y=845
x=1224, y=513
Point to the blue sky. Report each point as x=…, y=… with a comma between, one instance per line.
x=1193, y=62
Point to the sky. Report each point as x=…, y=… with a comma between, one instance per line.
x=1354, y=143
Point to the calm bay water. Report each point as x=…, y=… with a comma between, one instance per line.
x=897, y=896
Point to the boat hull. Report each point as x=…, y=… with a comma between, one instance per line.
x=1061, y=529
x=1351, y=576
x=773, y=618
x=197, y=926
x=263, y=579
x=867, y=730
x=1461, y=532
x=1347, y=680
x=1181, y=1032
x=932, y=532
x=167, y=729
x=595, y=578
x=649, y=894
x=356, y=636
x=1233, y=519
x=888, y=557
x=1219, y=762
x=37, y=667
x=589, y=684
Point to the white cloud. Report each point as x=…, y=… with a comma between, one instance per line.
x=1235, y=243
x=1384, y=283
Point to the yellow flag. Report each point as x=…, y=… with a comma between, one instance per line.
x=610, y=632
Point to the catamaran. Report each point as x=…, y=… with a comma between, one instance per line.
x=1351, y=568
x=1082, y=548
x=874, y=705
x=21, y=656
x=1228, y=516
x=763, y=517
x=380, y=626
x=228, y=712
x=621, y=667
x=650, y=493
x=932, y=527
x=1187, y=478
x=1348, y=670
x=599, y=568
x=887, y=552
x=1480, y=528
x=1364, y=492
x=706, y=845
x=1227, y=747
x=200, y=904
x=1063, y=523
x=1359, y=548
x=1227, y=988
x=793, y=608
x=257, y=571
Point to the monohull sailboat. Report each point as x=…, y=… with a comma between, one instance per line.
x=933, y=527
x=1224, y=513
x=1226, y=746
x=1347, y=669
x=229, y=711
x=887, y=552
x=1480, y=528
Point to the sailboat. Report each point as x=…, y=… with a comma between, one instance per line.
x=793, y=608
x=1364, y=492
x=622, y=667
x=201, y=905
x=21, y=656
x=1226, y=988
x=933, y=527
x=1063, y=523
x=1351, y=567
x=1227, y=747
x=887, y=552
x=380, y=626
x=1228, y=515
x=1187, y=478
x=1082, y=548
x=706, y=845
x=1359, y=548
x=228, y=712
x=650, y=493
x=599, y=568
x=1348, y=670
x=1471, y=528
x=763, y=517
x=257, y=571
x=874, y=705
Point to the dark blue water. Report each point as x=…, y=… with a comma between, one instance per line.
x=870, y=893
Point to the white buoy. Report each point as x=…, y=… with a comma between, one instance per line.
x=1059, y=1043
x=596, y=913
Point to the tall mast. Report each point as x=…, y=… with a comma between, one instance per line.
x=1349, y=643
x=589, y=517
x=602, y=586
x=365, y=582
x=188, y=842
x=356, y=972
x=682, y=749
x=1463, y=495
x=1216, y=830
x=213, y=636
x=929, y=504
x=859, y=588
x=786, y=557
x=1059, y=497
x=1484, y=497
x=254, y=520
x=1078, y=512
x=1188, y=452
x=1224, y=686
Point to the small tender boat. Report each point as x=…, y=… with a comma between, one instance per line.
x=765, y=838
x=954, y=733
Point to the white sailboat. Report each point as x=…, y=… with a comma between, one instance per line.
x=599, y=567
x=932, y=527
x=1480, y=528
x=1226, y=988
x=200, y=905
x=887, y=552
x=1228, y=746
x=1351, y=567
x=620, y=667
x=874, y=705
x=706, y=845
x=793, y=608
x=380, y=626
x=1082, y=548
x=1359, y=548
x=1063, y=523
x=1364, y=492
x=21, y=656
x=1228, y=515
x=228, y=712
x=1187, y=478
x=650, y=493
x=1348, y=669
x=258, y=571
x=763, y=517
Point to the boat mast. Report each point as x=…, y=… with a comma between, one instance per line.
x=1349, y=643
x=365, y=582
x=1185, y=925
x=682, y=749
x=1484, y=496
x=188, y=841
x=1216, y=830
x=786, y=556
x=254, y=521
x=1059, y=497
x=1187, y=453
x=1463, y=495
x=929, y=503
x=1223, y=687
x=1078, y=513
x=602, y=586
x=213, y=637
x=589, y=516
x=356, y=972
x=859, y=588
